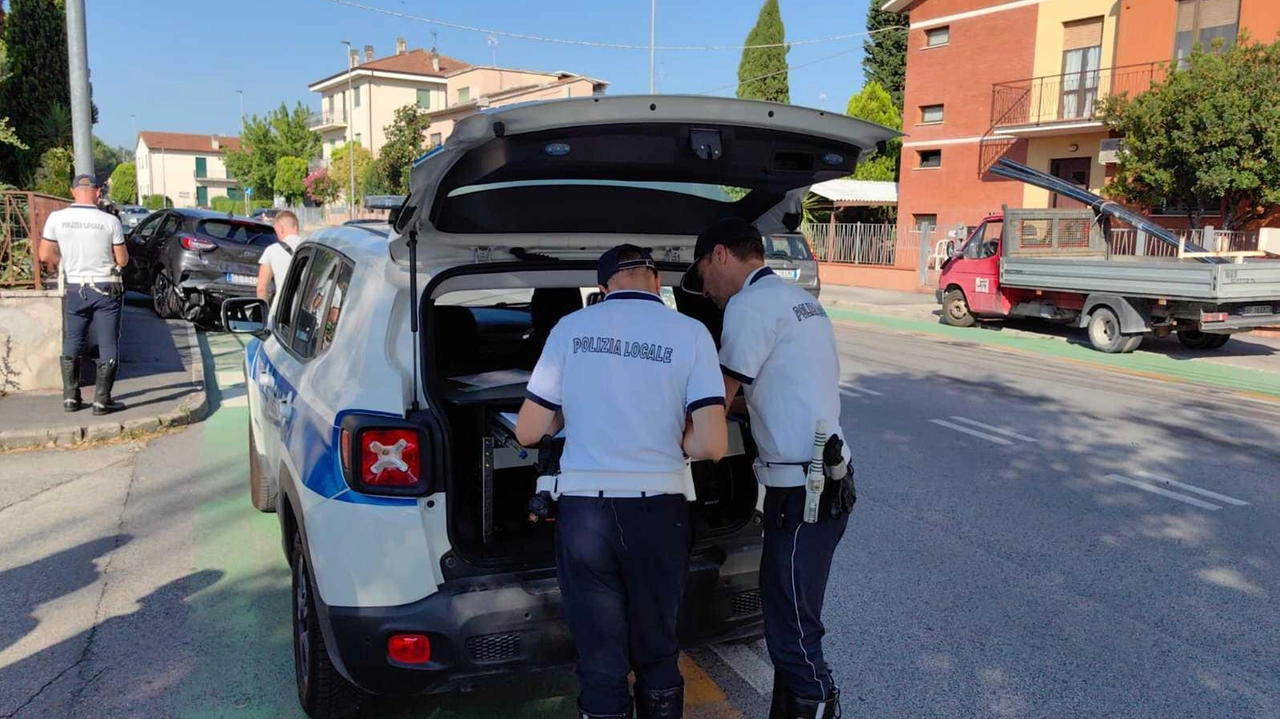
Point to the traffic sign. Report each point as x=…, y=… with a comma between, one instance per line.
x=248, y=191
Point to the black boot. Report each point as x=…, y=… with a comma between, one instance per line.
x=102, y=403
x=626, y=714
x=828, y=708
x=778, y=704
x=71, y=400
x=659, y=703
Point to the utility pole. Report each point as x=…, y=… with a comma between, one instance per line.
x=241, y=92
x=137, y=181
x=78, y=74
x=653, y=17
x=351, y=150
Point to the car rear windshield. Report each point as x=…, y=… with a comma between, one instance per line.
x=792, y=247
x=245, y=233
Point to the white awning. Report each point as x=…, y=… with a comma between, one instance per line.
x=858, y=193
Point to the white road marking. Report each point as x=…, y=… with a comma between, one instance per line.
x=972, y=432
x=1190, y=488
x=860, y=388
x=749, y=665
x=997, y=430
x=1163, y=492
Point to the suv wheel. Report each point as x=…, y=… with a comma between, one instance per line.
x=164, y=296
x=260, y=492
x=322, y=691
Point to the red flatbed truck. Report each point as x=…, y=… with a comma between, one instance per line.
x=1058, y=265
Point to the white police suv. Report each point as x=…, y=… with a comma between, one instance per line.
x=382, y=384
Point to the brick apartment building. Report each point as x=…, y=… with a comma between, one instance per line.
x=1023, y=79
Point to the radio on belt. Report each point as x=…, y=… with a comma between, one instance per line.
x=822, y=467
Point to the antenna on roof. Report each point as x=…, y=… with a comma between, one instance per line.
x=433, y=42
x=493, y=47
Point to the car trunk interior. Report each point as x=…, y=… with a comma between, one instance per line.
x=479, y=346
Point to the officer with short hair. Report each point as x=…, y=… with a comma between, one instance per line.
x=87, y=244
x=637, y=388
x=778, y=345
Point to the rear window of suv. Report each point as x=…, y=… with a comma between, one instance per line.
x=245, y=233
x=792, y=247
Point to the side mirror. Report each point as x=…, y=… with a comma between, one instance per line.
x=595, y=298
x=245, y=316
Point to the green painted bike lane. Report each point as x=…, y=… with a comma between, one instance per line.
x=1264, y=385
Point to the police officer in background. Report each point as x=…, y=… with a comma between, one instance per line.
x=636, y=387
x=779, y=346
x=87, y=245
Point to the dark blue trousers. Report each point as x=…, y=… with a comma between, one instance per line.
x=95, y=308
x=793, y=583
x=622, y=565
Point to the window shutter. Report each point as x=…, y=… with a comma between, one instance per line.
x=1081, y=34
x=1186, y=15
x=1217, y=13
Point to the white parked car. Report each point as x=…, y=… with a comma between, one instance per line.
x=382, y=385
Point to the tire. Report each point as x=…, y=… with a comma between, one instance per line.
x=322, y=691
x=1105, y=334
x=1219, y=341
x=1197, y=340
x=260, y=492
x=163, y=296
x=955, y=310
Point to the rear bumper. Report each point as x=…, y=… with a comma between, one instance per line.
x=1241, y=323
x=486, y=627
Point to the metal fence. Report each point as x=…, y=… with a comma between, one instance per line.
x=22, y=217
x=1076, y=96
x=858, y=243
x=1128, y=242
x=313, y=218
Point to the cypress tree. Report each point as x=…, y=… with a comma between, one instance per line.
x=762, y=72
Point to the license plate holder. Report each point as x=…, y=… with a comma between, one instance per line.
x=245, y=280
x=791, y=275
x=1255, y=310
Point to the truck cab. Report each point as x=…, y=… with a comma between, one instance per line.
x=970, y=280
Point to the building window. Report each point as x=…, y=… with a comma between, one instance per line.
x=355, y=97
x=424, y=99
x=930, y=114
x=930, y=158
x=202, y=167
x=435, y=139
x=938, y=36
x=464, y=95
x=1200, y=22
x=920, y=221
x=1081, y=61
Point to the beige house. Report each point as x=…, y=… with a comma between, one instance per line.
x=360, y=102
x=187, y=169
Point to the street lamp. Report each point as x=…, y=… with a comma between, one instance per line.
x=241, y=92
x=351, y=151
x=137, y=182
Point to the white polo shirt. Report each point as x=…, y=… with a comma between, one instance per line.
x=85, y=236
x=626, y=372
x=778, y=342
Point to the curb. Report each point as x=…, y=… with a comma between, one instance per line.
x=191, y=410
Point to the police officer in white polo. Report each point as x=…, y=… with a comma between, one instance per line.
x=637, y=388
x=779, y=346
x=88, y=246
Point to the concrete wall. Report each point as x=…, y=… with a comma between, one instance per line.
x=1147, y=28
x=487, y=80
x=880, y=278
x=31, y=334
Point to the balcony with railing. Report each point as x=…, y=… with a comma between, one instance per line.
x=321, y=121
x=1059, y=104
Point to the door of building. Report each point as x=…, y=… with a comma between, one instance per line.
x=1074, y=170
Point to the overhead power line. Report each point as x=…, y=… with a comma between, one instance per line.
x=777, y=72
x=598, y=44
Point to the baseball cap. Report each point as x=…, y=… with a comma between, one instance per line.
x=721, y=232
x=84, y=181
x=609, y=264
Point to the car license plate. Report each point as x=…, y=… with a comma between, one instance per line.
x=791, y=275
x=241, y=279
x=1256, y=310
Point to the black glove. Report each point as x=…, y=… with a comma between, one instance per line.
x=541, y=507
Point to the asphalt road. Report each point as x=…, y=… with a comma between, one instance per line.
x=1034, y=537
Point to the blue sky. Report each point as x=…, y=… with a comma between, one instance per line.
x=177, y=65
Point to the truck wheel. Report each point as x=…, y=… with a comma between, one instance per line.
x=1105, y=335
x=260, y=492
x=955, y=310
x=1197, y=340
x=1132, y=343
x=323, y=692
x=1219, y=341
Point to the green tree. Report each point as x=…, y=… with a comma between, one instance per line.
x=406, y=140
x=107, y=158
x=290, y=173
x=762, y=72
x=53, y=177
x=375, y=183
x=35, y=42
x=884, y=59
x=8, y=136
x=1208, y=137
x=339, y=168
x=873, y=104
x=156, y=202
x=264, y=140
x=124, y=184
x=320, y=187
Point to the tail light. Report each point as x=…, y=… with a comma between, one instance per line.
x=409, y=648
x=197, y=244
x=1214, y=316
x=385, y=455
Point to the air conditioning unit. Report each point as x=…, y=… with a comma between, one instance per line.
x=1109, y=151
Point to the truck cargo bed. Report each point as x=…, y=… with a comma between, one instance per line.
x=1167, y=279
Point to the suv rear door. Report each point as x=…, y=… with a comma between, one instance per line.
x=570, y=178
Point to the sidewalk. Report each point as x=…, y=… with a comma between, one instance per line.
x=161, y=383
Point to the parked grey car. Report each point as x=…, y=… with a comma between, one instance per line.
x=131, y=215
x=191, y=260
x=791, y=259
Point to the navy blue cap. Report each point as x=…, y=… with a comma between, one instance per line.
x=609, y=264
x=730, y=229
x=84, y=181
